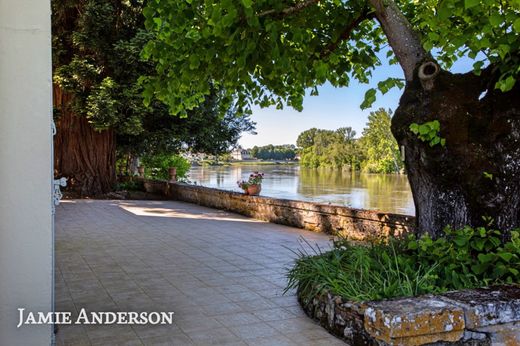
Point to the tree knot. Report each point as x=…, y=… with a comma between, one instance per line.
x=427, y=72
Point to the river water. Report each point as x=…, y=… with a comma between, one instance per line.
x=385, y=192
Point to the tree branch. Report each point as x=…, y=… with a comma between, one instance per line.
x=345, y=35
x=402, y=38
x=289, y=10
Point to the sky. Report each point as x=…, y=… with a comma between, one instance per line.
x=331, y=109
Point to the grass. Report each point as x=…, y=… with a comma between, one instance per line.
x=358, y=272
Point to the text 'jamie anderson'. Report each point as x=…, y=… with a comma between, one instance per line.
x=84, y=317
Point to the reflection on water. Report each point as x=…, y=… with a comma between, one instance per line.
x=385, y=192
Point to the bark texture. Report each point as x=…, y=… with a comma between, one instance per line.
x=475, y=179
x=402, y=38
x=85, y=156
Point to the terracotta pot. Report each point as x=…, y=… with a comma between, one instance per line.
x=140, y=171
x=253, y=190
x=172, y=172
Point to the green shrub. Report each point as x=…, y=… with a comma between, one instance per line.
x=470, y=257
x=156, y=166
x=466, y=258
x=130, y=186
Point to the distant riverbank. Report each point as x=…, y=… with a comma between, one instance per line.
x=245, y=163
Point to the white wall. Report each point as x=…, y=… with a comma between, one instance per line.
x=25, y=168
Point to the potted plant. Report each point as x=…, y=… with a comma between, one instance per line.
x=253, y=186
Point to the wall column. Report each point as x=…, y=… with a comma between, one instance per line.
x=26, y=231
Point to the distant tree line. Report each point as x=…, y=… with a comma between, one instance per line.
x=375, y=152
x=274, y=152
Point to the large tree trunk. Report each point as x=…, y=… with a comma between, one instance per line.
x=85, y=156
x=475, y=178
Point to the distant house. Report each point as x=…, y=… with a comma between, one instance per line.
x=240, y=154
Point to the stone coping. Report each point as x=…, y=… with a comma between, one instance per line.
x=356, y=224
x=485, y=316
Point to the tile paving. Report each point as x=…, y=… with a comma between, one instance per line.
x=222, y=274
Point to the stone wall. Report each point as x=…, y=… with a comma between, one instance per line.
x=480, y=317
x=330, y=219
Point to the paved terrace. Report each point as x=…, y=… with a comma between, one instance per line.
x=222, y=274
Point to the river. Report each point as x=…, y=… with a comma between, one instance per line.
x=385, y=192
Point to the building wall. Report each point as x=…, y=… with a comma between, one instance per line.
x=26, y=242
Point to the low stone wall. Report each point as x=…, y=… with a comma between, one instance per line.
x=487, y=316
x=335, y=220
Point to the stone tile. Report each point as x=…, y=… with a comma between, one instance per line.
x=222, y=308
x=275, y=314
x=198, y=324
x=255, y=330
x=237, y=319
x=293, y=325
x=218, y=336
x=220, y=277
x=277, y=340
x=256, y=304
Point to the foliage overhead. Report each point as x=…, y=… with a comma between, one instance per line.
x=96, y=55
x=271, y=52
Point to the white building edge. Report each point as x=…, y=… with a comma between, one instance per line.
x=26, y=220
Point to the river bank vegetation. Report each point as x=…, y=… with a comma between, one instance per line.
x=375, y=152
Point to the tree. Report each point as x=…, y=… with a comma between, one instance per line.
x=327, y=148
x=100, y=113
x=274, y=152
x=379, y=145
x=269, y=52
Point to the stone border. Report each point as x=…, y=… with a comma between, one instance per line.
x=357, y=224
x=478, y=317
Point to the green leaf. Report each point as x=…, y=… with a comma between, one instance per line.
x=506, y=256
x=470, y=3
x=247, y=3
x=370, y=98
x=460, y=241
x=488, y=175
x=506, y=84
x=516, y=25
x=479, y=268
x=424, y=129
x=496, y=20
x=485, y=258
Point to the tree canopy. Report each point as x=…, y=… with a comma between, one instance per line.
x=270, y=52
x=97, y=47
x=328, y=148
x=376, y=151
x=274, y=152
x=380, y=149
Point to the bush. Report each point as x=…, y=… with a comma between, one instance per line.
x=156, y=166
x=130, y=186
x=466, y=258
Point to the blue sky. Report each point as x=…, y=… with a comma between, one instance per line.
x=331, y=109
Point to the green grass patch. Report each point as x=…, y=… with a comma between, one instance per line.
x=465, y=258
